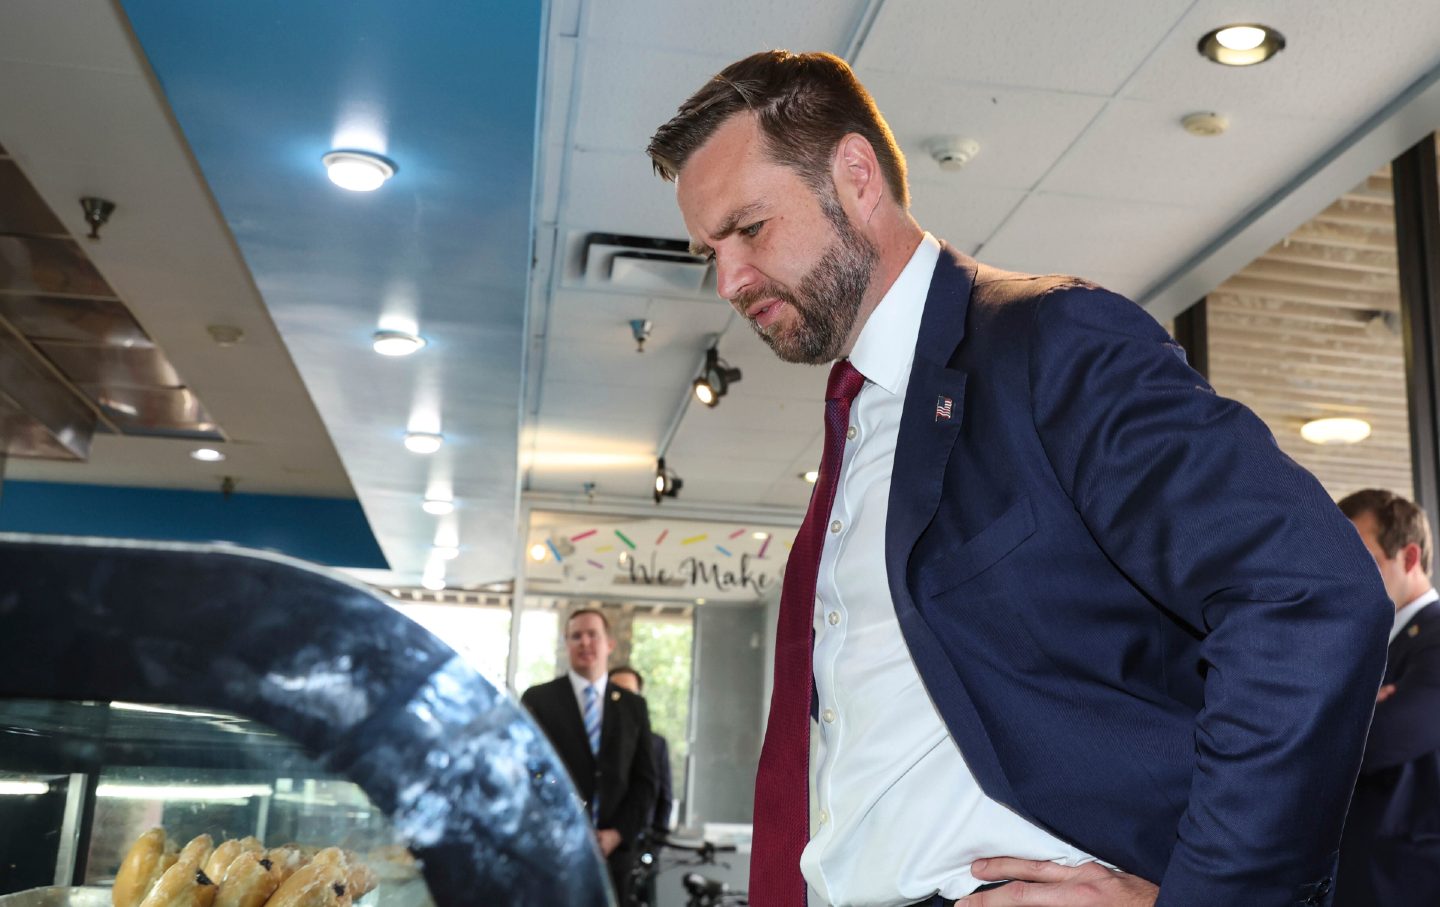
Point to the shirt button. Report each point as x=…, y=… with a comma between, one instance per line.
x=851, y=432
x=834, y=618
x=835, y=526
x=824, y=816
x=828, y=715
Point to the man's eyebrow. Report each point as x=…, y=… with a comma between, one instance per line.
x=729, y=225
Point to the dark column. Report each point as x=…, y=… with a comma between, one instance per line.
x=1192, y=333
x=1417, y=239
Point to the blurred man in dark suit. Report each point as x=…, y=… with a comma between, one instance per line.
x=602, y=734
x=1390, y=854
x=628, y=678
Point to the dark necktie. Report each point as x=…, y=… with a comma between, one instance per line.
x=782, y=787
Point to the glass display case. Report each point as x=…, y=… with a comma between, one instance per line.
x=215, y=692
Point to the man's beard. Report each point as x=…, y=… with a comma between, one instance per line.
x=827, y=300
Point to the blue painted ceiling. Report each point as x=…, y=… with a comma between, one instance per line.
x=261, y=90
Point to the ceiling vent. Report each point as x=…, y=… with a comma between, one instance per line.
x=643, y=266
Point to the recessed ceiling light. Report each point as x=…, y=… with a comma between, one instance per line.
x=207, y=455
x=423, y=442
x=437, y=507
x=358, y=171
x=1242, y=44
x=760, y=536
x=396, y=343
x=537, y=552
x=446, y=552
x=810, y=476
x=1335, y=431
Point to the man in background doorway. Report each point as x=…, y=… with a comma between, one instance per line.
x=628, y=678
x=601, y=732
x=1390, y=853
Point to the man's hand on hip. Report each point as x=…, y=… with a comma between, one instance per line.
x=1039, y=883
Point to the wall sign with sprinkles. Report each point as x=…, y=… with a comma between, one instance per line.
x=658, y=559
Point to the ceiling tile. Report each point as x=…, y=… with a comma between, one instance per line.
x=596, y=180
x=733, y=29
x=963, y=213
x=1138, y=151
x=1020, y=132
x=1069, y=234
x=1033, y=43
x=627, y=92
x=93, y=39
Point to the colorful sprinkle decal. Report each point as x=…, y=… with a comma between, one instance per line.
x=737, y=533
x=624, y=538
x=604, y=548
x=723, y=551
x=661, y=538
x=594, y=563
x=696, y=538
x=765, y=545
x=583, y=535
x=555, y=551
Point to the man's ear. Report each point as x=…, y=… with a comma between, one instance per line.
x=1411, y=553
x=858, y=180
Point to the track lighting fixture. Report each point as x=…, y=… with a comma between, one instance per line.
x=715, y=381
x=667, y=483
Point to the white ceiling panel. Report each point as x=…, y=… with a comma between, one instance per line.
x=703, y=26
x=1138, y=151
x=1020, y=132
x=963, y=211
x=612, y=71
x=1076, y=235
x=598, y=180
x=1090, y=48
x=1340, y=60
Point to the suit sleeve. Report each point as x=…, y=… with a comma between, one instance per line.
x=1406, y=725
x=1190, y=497
x=633, y=814
x=665, y=795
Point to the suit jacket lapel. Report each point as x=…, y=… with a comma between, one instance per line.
x=926, y=437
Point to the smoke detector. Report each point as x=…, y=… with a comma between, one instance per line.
x=952, y=152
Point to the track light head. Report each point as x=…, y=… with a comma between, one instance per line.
x=714, y=382
x=667, y=483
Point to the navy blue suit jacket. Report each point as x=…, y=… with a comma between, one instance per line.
x=1149, y=631
x=1390, y=854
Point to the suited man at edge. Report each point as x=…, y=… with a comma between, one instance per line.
x=1068, y=628
x=602, y=735
x=1390, y=853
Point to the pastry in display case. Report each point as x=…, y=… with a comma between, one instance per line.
x=199, y=726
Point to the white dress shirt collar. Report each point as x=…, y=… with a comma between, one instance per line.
x=885, y=349
x=1407, y=613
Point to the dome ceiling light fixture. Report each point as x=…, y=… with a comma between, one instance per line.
x=437, y=506
x=714, y=382
x=397, y=343
x=1241, y=44
x=812, y=476
x=1335, y=430
x=358, y=171
x=423, y=442
x=207, y=455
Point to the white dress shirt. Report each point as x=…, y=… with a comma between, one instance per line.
x=1407, y=613
x=578, y=684
x=895, y=814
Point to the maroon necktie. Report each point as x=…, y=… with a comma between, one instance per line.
x=782, y=787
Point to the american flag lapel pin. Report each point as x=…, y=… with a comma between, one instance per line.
x=943, y=407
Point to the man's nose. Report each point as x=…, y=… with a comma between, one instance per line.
x=733, y=276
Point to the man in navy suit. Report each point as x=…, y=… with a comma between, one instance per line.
x=1072, y=621
x=1390, y=854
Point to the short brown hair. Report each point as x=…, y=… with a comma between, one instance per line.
x=626, y=669
x=804, y=103
x=1400, y=522
x=604, y=621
